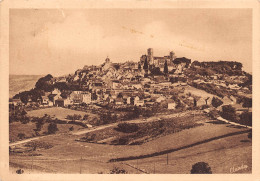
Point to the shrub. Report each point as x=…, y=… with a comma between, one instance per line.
x=74, y=117
x=247, y=102
x=246, y=118
x=213, y=114
x=116, y=170
x=201, y=168
x=127, y=127
x=19, y=171
x=21, y=136
x=205, y=106
x=228, y=112
x=38, y=144
x=85, y=117
x=52, y=128
x=216, y=102
x=89, y=137
x=39, y=124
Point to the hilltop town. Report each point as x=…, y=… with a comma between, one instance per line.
x=151, y=80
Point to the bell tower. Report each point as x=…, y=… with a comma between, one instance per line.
x=150, y=56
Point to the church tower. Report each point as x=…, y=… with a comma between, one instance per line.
x=150, y=56
x=172, y=56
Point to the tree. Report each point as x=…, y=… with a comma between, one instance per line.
x=216, y=102
x=246, y=118
x=139, y=67
x=44, y=83
x=165, y=70
x=39, y=124
x=195, y=63
x=201, y=168
x=156, y=71
x=228, y=112
x=247, y=102
x=52, y=128
x=145, y=67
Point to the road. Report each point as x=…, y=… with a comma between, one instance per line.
x=138, y=121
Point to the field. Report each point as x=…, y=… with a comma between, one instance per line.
x=55, y=112
x=198, y=92
x=136, y=134
x=28, y=129
x=222, y=146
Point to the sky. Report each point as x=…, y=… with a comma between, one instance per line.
x=60, y=41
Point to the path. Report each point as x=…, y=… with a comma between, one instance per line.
x=26, y=140
x=139, y=120
x=230, y=122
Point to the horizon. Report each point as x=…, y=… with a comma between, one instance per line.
x=58, y=42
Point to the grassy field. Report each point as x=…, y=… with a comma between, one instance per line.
x=28, y=129
x=146, y=131
x=198, y=92
x=56, y=112
x=70, y=156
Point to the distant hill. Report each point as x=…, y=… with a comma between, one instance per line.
x=19, y=83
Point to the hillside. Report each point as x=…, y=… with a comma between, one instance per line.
x=19, y=83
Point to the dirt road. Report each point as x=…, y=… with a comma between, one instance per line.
x=139, y=120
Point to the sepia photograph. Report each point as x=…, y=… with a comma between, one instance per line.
x=130, y=91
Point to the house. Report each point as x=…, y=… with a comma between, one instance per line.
x=233, y=99
x=59, y=102
x=171, y=104
x=139, y=103
x=45, y=100
x=119, y=101
x=226, y=101
x=86, y=97
x=208, y=100
x=137, y=86
x=160, y=99
x=56, y=91
x=128, y=100
x=199, y=101
x=54, y=97
x=67, y=101
x=149, y=103
x=15, y=102
x=136, y=99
